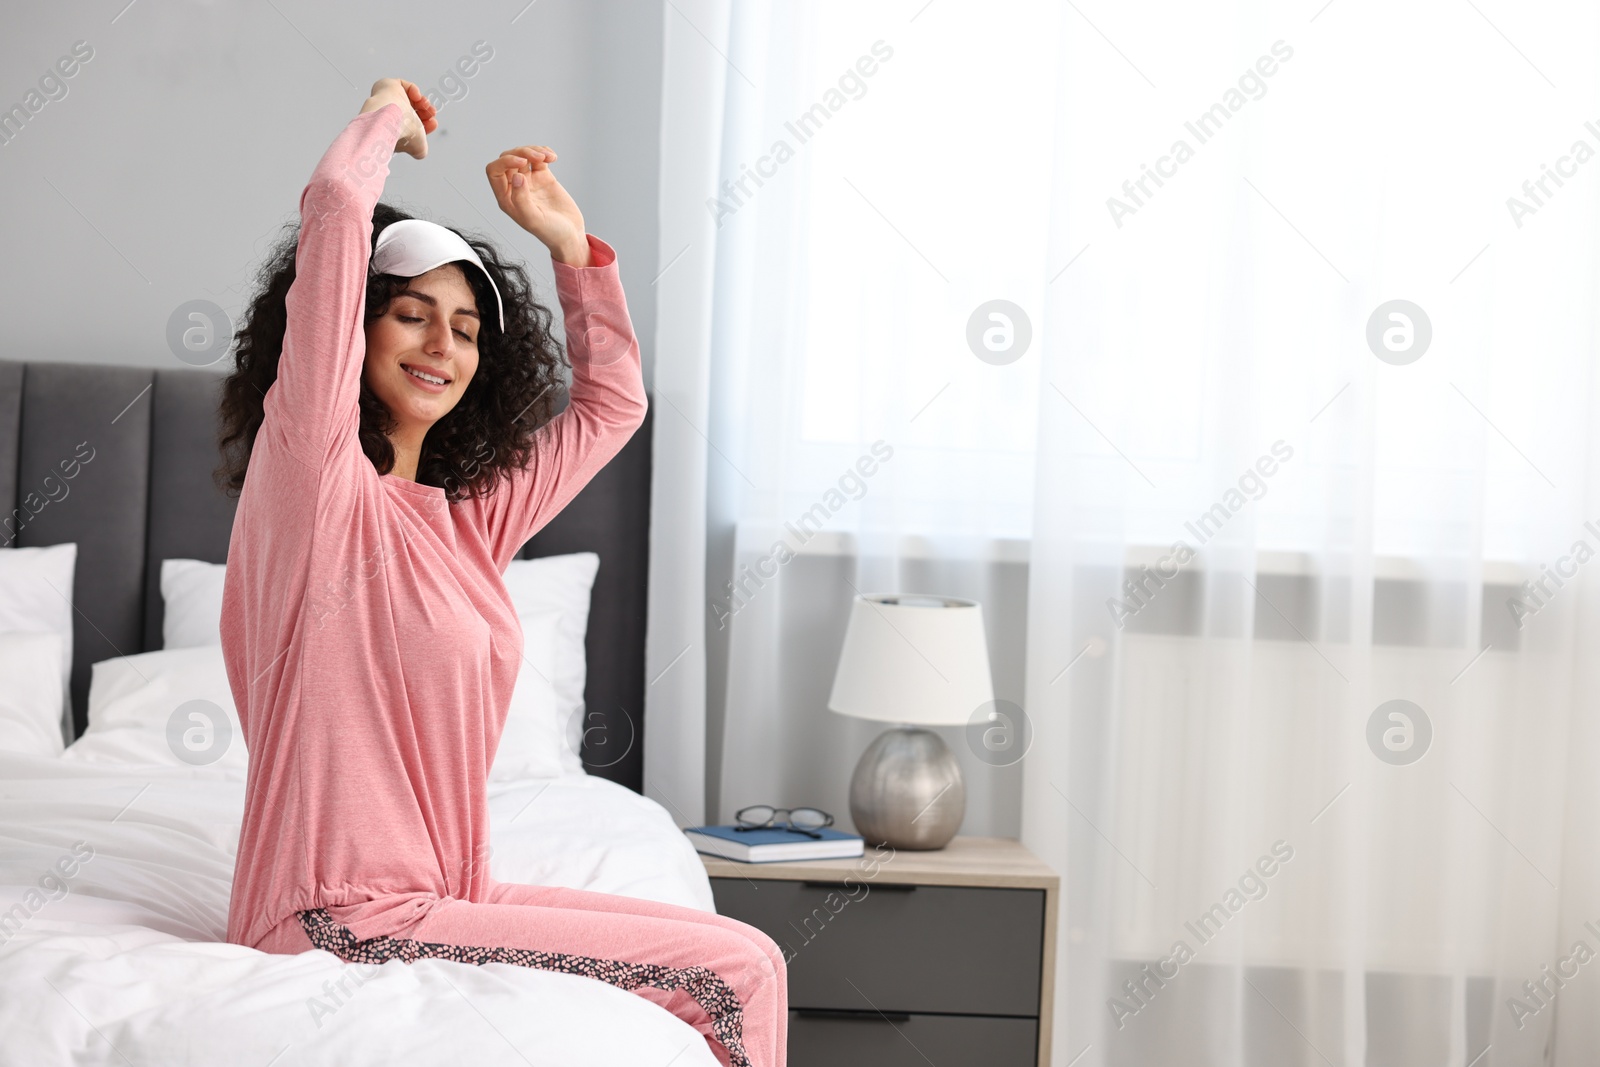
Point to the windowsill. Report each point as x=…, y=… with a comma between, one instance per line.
x=1390, y=568
x=1016, y=550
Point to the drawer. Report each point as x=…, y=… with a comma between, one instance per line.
x=868, y=1040
x=869, y=945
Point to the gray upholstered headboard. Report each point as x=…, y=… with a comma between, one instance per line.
x=148, y=495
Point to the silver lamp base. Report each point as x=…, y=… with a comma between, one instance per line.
x=907, y=791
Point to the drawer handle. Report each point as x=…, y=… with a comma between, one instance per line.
x=861, y=1016
x=887, y=887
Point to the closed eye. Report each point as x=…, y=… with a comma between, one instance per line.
x=411, y=318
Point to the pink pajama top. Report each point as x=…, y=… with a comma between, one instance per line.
x=371, y=645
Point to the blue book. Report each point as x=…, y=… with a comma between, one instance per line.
x=771, y=846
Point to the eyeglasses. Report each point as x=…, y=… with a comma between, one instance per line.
x=805, y=821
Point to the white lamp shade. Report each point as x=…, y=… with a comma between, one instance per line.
x=913, y=659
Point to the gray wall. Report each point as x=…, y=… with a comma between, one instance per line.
x=180, y=148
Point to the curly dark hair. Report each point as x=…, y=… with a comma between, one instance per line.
x=486, y=435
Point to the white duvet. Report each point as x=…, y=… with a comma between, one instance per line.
x=121, y=961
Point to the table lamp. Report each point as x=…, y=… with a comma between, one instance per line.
x=916, y=661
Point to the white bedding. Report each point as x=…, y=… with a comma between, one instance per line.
x=128, y=966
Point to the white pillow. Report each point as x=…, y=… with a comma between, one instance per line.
x=30, y=693
x=551, y=597
x=172, y=707
x=36, y=597
x=191, y=595
x=533, y=744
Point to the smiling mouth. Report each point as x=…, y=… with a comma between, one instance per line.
x=431, y=379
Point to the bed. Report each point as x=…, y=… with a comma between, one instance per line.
x=115, y=870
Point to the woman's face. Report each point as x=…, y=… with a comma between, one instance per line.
x=423, y=350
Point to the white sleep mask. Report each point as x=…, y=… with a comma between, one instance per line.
x=411, y=247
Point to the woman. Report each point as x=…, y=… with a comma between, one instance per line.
x=391, y=408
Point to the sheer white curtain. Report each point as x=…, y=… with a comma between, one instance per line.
x=1216, y=368
x=849, y=437
x=1209, y=346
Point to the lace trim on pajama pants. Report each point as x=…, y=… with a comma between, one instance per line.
x=715, y=997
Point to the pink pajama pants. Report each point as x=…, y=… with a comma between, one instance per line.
x=723, y=977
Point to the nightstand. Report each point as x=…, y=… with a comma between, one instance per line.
x=905, y=958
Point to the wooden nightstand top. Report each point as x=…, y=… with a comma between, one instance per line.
x=996, y=862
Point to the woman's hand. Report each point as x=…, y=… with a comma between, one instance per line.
x=527, y=191
x=419, y=114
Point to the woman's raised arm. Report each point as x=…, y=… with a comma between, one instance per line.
x=606, y=404
x=313, y=407
x=607, y=398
